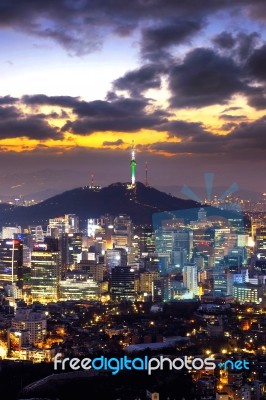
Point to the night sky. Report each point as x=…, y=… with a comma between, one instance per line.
x=81, y=79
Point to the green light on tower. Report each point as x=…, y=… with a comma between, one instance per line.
x=133, y=166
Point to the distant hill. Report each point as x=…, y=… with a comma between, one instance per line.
x=85, y=202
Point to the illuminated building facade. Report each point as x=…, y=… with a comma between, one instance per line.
x=79, y=287
x=32, y=321
x=9, y=231
x=11, y=259
x=247, y=293
x=16, y=339
x=146, y=241
x=146, y=281
x=122, y=283
x=36, y=233
x=123, y=227
x=260, y=243
x=115, y=258
x=45, y=274
x=190, y=278
x=69, y=223
x=71, y=249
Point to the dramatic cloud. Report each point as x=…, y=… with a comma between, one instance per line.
x=80, y=26
x=257, y=10
x=246, y=139
x=204, y=78
x=117, y=142
x=231, y=109
x=256, y=65
x=121, y=115
x=42, y=99
x=140, y=80
x=31, y=127
x=229, y=117
x=225, y=40
x=183, y=129
x=7, y=100
x=257, y=98
x=8, y=113
x=250, y=137
x=173, y=32
x=246, y=44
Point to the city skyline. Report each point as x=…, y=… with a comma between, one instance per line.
x=82, y=80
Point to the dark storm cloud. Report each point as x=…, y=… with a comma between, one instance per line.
x=229, y=117
x=140, y=80
x=117, y=142
x=239, y=46
x=256, y=64
x=9, y=112
x=255, y=69
x=204, y=78
x=31, y=127
x=173, y=32
x=116, y=109
x=8, y=100
x=80, y=26
x=225, y=40
x=42, y=99
x=257, y=98
x=250, y=136
x=86, y=126
x=257, y=10
x=231, y=109
x=211, y=146
x=228, y=127
x=121, y=115
x=183, y=129
x=246, y=44
x=245, y=139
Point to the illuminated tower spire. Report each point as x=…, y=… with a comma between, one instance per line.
x=133, y=165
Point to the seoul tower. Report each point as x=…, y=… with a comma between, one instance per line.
x=133, y=165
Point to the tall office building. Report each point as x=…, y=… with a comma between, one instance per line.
x=161, y=289
x=36, y=233
x=122, y=283
x=220, y=281
x=190, y=278
x=71, y=249
x=69, y=223
x=115, y=258
x=45, y=274
x=146, y=241
x=146, y=281
x=260, y=242
x=11, y=260
x=123, y=227
x=177, y=244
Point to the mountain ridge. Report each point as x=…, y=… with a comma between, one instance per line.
x=92, y=202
